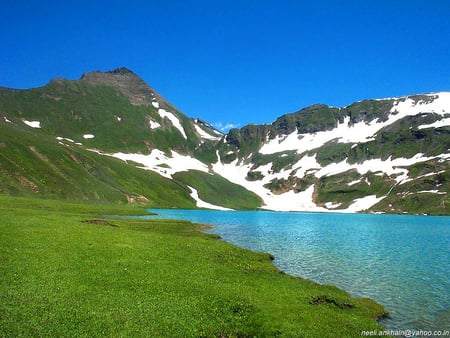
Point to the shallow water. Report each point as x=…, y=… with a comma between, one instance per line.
x=401, y=261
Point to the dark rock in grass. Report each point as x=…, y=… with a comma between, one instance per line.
x=99, y=222
x=323, y=299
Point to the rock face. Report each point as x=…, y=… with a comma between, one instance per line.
x=139, y=92
x=384, y=155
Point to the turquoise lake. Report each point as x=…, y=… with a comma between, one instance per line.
x=401, y=261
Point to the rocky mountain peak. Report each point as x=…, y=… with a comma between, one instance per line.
x=126, y=81
x=121, y=71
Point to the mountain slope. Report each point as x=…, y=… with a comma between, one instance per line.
x=348, y=159
x=388, y=155
x=102, y=110
x=76, y=122
x=34, y=164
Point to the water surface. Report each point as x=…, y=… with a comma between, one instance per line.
x=401, y=261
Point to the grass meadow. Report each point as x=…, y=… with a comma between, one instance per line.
x=68, y=271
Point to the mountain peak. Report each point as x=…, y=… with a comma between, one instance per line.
x=121, y=71
x=97, y=74
x=126, y=81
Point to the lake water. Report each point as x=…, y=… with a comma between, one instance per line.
x=401, y=261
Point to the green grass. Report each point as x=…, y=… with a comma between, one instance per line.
x=63, y=276
x=35, y=164
x=219, y=191
x=74, y=108
x=335, y=188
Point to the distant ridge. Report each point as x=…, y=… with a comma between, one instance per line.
x=381, y=155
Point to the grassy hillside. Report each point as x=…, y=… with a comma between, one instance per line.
x=66, y=271
x=74, y=108
x=219, y=191
x=34, y=164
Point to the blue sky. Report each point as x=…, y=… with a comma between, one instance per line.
x=235, y=62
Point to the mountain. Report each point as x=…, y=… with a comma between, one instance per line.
x=109, y=136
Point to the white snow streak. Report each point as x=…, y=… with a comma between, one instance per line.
x=361, y=204
x=204, y=134
x=202, y=204
x=88, y=136
x=164, y=165
x=353, y=182
x=432, y=192
x=175, y=121
x=32, y=124
x=391, y=167
x=437, y=124
x=154, y=124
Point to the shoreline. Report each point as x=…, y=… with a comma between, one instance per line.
x=64, y=265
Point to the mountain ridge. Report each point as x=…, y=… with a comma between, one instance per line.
x=378, y=155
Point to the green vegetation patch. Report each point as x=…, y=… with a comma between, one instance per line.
x=248, y=139
x=344, y=188
x=280, y=160
x=219, y=191
x=279, y=186
x=426, y=194
x=35, y=164
x=332, y=152
x=399, y=142
x=311, y=119
x=61, y=274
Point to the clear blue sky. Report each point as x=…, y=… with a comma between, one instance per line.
x=238, y=61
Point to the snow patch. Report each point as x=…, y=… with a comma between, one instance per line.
x=88, y=136
x=345, y=132
x=353, y=182
x=331, y=205
x=203, y=134
x=432, y=192
x=6, y=119
x=306, y=165
x=32, y=124
x=202, y=204
x=362, y=204
x=438, y=124
x=59, y=138
x=391, y=167
x=155, y=104
x=175, y=121
x=164, y=165
x=290, y=201
x=154, y=124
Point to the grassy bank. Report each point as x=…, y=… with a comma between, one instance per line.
x=66, y=271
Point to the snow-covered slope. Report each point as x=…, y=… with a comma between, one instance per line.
x=364, y=131
x=305, y=170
